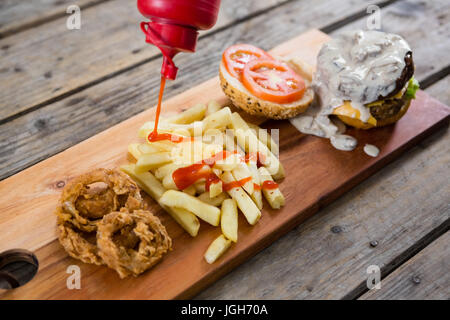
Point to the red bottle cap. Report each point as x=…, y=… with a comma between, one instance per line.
x=170, y=39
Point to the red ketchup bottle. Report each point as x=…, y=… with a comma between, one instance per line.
x=174, y=25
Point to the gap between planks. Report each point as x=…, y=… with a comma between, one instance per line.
x=435, y=77
x=424, y=276
x=402, y=258
x=46, y=17
x=339, y=24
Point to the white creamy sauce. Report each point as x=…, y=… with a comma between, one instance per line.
x=343, y=142
x=371, y=150
x=357, y=66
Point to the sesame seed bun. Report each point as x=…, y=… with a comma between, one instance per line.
x=253, y=105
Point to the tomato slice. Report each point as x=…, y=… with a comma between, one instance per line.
x=273, y=80
x=236, y=57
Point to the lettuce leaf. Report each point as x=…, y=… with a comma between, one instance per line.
x=413, y=86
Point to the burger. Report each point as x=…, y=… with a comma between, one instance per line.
x=366, y=78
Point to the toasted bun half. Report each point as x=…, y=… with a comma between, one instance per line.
x=253, y=105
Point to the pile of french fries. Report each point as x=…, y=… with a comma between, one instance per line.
x=211, y=129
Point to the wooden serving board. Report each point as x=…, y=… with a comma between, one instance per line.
x=316, y=175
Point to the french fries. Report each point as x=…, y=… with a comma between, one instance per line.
x=147, y=162
x=217, y=120
x=217, y=248
x=241, y=172
x=213, y=107
x=249, y=142
x=180, y=129
x=222, y=144
x=149, y=149
x=257, y=194
x=190, y=190
x=147, y=182
x=215, y=201
x=244, y=202
x=185, y=219
x=195, y=113
x=273, y=196
x=215, y=189
x=168, y=183
x=163, y=146
x=200, y=186
x=133, y=149
x=229, y=163
x=229, y=219
x=166, y=169
x=265, y=138
x=204, y=211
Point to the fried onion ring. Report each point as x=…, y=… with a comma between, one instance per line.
x=83, y=203
x=131, y=243
x=78, y=244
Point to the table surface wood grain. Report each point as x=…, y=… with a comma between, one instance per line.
x=59, y=87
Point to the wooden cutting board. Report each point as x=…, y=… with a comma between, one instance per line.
x=316, y=175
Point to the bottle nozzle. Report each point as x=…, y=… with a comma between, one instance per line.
x=167, y=46
x=168, y=69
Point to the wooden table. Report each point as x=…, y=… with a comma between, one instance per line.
x=59, y=87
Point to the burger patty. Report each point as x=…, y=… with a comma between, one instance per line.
x=388, y=109
x=407, y=74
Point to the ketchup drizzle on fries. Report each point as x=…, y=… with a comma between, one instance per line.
x=259, y=158
x=217, y=157
x=212, y=178
x=187, y=176
x=236, y=184
x=167, y=136
x=269, y=185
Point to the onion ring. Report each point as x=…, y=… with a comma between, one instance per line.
x=83, y=206
x=79, y=245
x=131, y=243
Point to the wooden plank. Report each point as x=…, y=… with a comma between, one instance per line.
x=61, y=61
x=51, y=129
x=16, y=15
x=26, y=219
x=440, y=90
x=327, y=256
x=425, y=276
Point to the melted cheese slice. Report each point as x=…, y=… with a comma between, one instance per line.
x=399, y=95
x=346, y=110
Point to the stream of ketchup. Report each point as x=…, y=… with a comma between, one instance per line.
x=154, y=135
x=187, y=176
